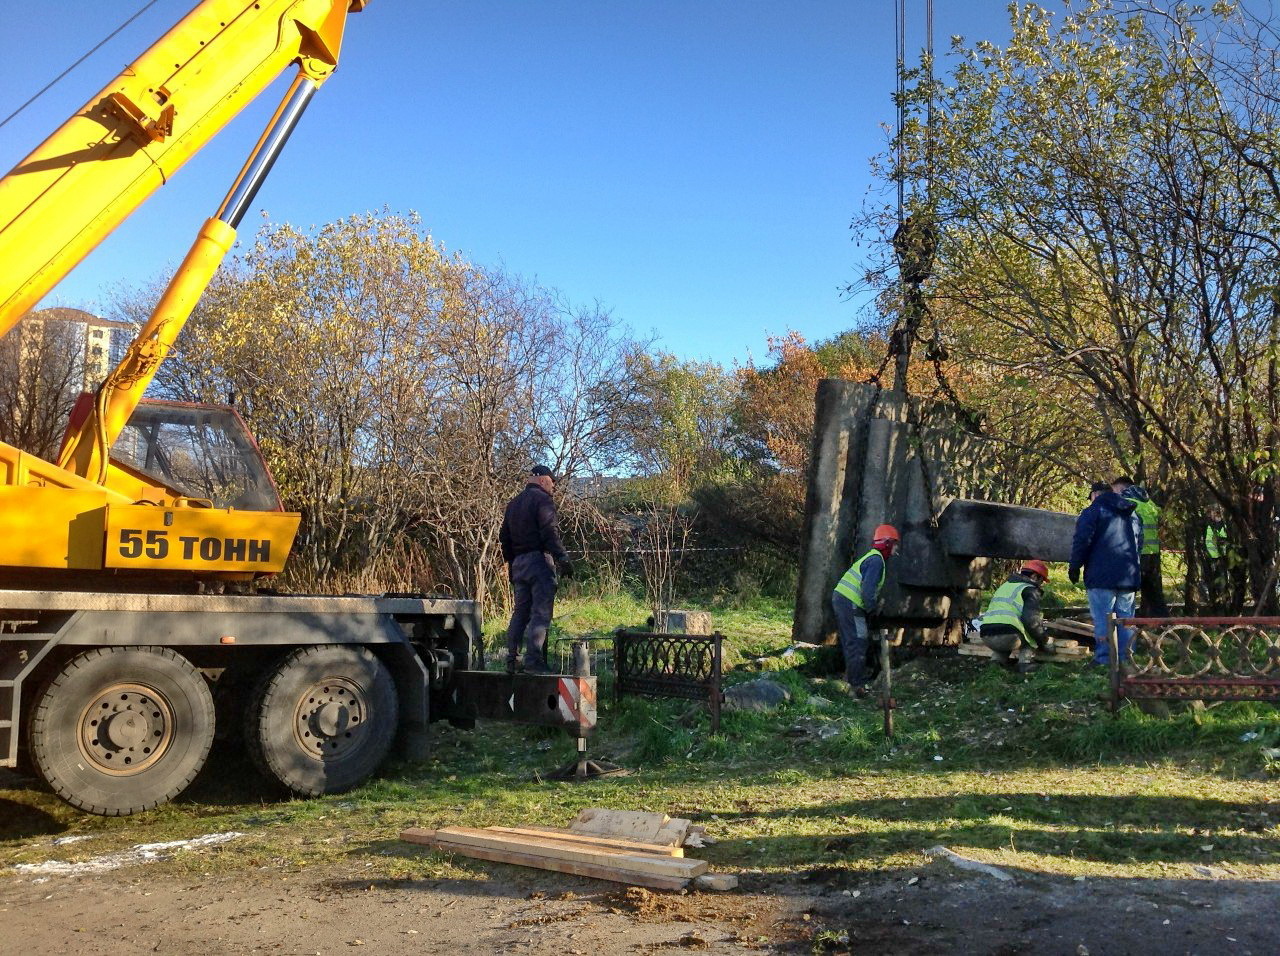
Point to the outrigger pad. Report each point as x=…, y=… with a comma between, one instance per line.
x=546, y=700
x=578, y=770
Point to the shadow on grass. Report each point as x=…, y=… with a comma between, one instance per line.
x=229, y=779
x=1087, y=828
x=1154, y=812
x=1078, y=844
x=20, y=821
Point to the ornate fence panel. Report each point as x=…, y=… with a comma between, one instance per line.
x=1198, y=658
x=685, y=666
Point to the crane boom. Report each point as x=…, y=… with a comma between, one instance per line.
x=60, y=202
x=84, y=513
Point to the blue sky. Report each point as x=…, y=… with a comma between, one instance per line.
x=692, y=165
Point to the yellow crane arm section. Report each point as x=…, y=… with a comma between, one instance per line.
x=105, y=161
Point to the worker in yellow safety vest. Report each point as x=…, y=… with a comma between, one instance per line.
x=1012, y=624
x=1217, y=569
x=856, y=596
x=1152, y=602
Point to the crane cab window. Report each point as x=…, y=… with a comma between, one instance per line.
x=202, y=451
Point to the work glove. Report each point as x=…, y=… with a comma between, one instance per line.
x=564, y=568
x=1074, y=575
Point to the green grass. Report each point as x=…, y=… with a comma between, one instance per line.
x=757, y=627
x=1033, y=772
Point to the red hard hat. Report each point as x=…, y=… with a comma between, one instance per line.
x=1037, y=567
x=886, y=532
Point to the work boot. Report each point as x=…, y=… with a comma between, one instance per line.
x=537, y=667
x=513, y=665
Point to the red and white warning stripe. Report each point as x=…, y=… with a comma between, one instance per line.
x=577, y=703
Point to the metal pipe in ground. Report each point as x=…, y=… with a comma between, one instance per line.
x=581, y=668
x=886, y=671
x=1113, y=647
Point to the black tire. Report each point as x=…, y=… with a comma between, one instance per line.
x=323, y=719
x=120, y=730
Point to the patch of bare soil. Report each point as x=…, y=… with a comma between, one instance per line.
x=332, y=911
x=933, y=909
x=937, y=910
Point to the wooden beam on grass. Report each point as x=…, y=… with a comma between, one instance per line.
x=649, y=863
x=603, y=843
x=516, y=858
x=611, y=868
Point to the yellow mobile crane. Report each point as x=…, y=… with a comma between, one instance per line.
x=116, y=663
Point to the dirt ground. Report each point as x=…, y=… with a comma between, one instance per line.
x=932, y=909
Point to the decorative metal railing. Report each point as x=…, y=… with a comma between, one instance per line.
x=1197, y=658
x=670, y=665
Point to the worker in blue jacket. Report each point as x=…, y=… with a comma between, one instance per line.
x=1107, y=544
x=856, y=596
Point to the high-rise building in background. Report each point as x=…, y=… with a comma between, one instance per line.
x=97, y=344
x=46, y=361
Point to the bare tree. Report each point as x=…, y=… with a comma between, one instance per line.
x=662, y=547
x=41, y=374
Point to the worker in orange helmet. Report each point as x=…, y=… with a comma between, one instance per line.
x=1012, y=623
x=856, y=596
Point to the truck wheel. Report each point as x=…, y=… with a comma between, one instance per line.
x=323, y=720
x=122, y=729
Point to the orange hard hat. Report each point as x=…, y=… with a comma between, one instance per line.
x=886, y=532
x=1036, y=567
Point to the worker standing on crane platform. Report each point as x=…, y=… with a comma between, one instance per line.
x=855, y=597
x=530, y=538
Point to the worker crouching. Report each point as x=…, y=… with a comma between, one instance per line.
x=1012, y=625
x=855, y=597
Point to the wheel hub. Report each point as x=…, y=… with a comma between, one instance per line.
x=126, y=729
x=330, y=718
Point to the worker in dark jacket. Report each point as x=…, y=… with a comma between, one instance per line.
x=856, y=596
x=1012, y=623
x=1106, y=545
x=530, y=539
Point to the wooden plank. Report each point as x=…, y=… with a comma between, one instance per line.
x=627, y=824
x=415, y=835
x=1070, y=652
x=604, y=868
x=419, y=835
x=673, y=832
x=558, y=849
x=1070, y=627
x=603, y=843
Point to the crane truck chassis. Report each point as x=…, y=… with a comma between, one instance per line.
x=117, y=663
x=114, y=699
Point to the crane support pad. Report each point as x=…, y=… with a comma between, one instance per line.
x=548, y=700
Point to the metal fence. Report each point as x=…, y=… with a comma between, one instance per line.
x=1197, y=658
x=684, y=666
